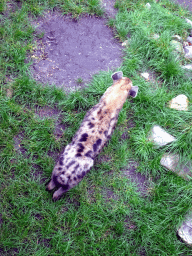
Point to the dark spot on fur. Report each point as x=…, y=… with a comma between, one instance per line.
x=78, y=155
x=93, y=131
x=83, y=137
x=74, y=178
x=93, y=118
x=109, y=137
x=100, y=132
x=96, y=145
x=65, y=187
x=105, y=133
x=99, y=112
x=79, y=176
x=81, y=147
x=69, y=177
x=91, y=125
x=89, y=154
x=71, y=163
x=61, y=160
x=101, y=117
x=98, y=142
x=58, y=185
x=73, y=171
x=63, y=172
x=83, y=174
x=60, y=168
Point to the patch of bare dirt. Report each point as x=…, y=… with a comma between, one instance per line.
x=69, y=51
x=142, y=182
x=18, y=144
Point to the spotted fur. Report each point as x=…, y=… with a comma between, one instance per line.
x=96, y=129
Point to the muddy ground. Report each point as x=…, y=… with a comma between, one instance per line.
x=185, y=3
x=71, y=51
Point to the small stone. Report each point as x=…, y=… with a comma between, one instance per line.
x=177, y=38
x=148, y=6
x=185, y=231
x=125, y=43
x=145, y=75
x=188, y=52
x=189, y=21
x=160, y=137
x=188, y=70
x=155, y=36
x=177, y=46
x=172, y=162
x=185, y=44
x=188, y=66
x=189, y=39
x=180, y=102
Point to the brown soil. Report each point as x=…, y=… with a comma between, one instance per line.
x=185, y=3
x=141, y=181
x=71, y=51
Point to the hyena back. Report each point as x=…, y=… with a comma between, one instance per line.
x=95, y=130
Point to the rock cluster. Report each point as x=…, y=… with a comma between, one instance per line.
x=173, y=162
x=160, y=137
x=179, y=46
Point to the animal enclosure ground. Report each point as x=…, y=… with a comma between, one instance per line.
x=128, y=204
x=72, y=50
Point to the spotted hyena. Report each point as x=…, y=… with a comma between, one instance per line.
x=95, y=130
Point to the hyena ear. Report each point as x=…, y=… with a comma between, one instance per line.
x=117, y=75
x=133, y=92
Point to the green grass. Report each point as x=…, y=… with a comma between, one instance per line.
x=104, y=214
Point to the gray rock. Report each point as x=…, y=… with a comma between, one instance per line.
x=188, y=66
x=189, y=21
x=145, y=75
x=188, y=70
x=180, y=102
x=185, y=44
x=159, y=136
x=177, y=46
x=177, y=38
x=185, y=231
x=148, y=6
x=188, y=52
x=173, y=163
x=189, y=39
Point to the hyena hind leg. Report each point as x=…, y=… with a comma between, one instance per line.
x=58, y=193
x=51, y=185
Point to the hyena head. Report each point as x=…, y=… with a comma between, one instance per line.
x=124, y=83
